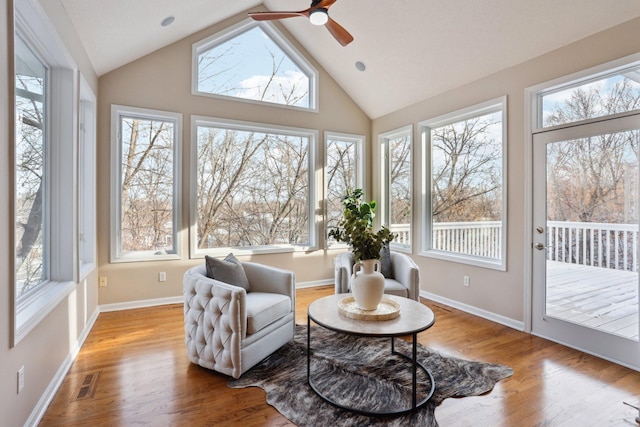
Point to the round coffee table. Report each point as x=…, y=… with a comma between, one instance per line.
x=414, y=318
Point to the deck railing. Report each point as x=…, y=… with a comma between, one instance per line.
x=482, y=238
x=613, y=246
x=604, y=245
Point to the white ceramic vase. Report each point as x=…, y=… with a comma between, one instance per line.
x=367, y=284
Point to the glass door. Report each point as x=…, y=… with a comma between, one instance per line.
x=585, y=238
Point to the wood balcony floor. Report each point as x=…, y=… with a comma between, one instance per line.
x=133, y=371
x=599, y=298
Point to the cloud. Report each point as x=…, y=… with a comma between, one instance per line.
x=290, y=88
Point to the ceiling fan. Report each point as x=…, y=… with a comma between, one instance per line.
x=318, y=14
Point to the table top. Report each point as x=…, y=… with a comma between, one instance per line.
x=414, y=317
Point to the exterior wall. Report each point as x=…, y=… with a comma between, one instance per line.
x=501, y=293
x=162, y=81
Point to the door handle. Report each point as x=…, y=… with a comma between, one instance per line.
x=539, y=246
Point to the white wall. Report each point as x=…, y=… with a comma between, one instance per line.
x=502, y=293
x=162, y=80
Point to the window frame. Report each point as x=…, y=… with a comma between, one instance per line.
x=385, y=184
x=117, y=113
x=312, y=134
x=33, y=27
x=477, y=110
x=87, y=232
x=360, y=146
x=276, y=37
x=534, y=94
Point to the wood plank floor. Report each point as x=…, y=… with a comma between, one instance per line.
x=133, y=371
x=595, y=297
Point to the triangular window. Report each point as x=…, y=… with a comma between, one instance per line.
x=252, y=61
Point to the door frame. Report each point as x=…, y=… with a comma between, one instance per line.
x=531, y=114
x=581, y=336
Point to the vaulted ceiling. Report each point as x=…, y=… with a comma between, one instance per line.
x=412, y=49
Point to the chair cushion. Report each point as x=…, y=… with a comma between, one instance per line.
x=265, y=308
x=394, y=287
x=228, y=270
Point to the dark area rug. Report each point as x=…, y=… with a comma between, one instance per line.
x=353, y=369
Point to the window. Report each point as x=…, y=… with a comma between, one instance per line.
x=253, y=187
x=343, y=170
x=31, y=181
x=146, y=184
x=466, y=170
x=396, y=147
x=606, y=93
x=252, y=61
x=44, y=172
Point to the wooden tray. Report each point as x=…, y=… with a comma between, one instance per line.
x=387, y=310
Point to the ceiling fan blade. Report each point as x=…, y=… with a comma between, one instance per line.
x=337, y=31
x=268, y=16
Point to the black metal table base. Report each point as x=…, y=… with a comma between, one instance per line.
x=393, y=412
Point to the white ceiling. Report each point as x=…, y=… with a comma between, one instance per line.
x=412, y=49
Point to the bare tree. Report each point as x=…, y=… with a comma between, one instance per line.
x=252, y=188
x=30, y=182
x=341, y=176
x=400, y=180
x=147, y=185
x=595, y=178
x=586, y=176
x=467, y=174
x=222, y=71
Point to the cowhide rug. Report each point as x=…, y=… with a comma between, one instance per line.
x=283, y=376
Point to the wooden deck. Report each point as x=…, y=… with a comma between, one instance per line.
x=599, y=298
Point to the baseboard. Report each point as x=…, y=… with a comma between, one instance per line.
x=51, y=390
x=314, y=284
x=503, y=320
x=130, y=305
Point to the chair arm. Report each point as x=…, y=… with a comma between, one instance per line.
x=215, y=322
x=343, y=269
x=407, y=273
x=264, y=278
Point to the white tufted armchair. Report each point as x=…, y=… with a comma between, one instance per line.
x=230, y=330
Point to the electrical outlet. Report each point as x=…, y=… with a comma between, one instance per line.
x=465, y=281
x=103, y=281
x=20, y=379
x=162, y=276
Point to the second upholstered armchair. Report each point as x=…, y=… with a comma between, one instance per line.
x=403, y=279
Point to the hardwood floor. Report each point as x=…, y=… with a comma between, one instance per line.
x=133, y=370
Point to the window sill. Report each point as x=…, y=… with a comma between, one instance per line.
x=493, y=264
x=86, y=269
x=256, y=250
x=141, y=257
x=36, y=307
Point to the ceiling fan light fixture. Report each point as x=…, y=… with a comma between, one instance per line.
x=319, y=16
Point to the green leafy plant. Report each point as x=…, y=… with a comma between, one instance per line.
x=356, y=227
